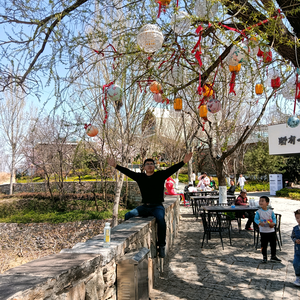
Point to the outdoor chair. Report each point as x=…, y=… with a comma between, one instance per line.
x=215, y=222
x=277, y=231
x=202, y=202
x=231, y=201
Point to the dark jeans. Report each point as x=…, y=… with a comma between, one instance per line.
x=158, y=211
x=267, y=237
x=247, y=214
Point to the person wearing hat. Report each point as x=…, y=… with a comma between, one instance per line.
x=242, y=200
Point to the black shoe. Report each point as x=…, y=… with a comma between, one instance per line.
x=264, y=261
x=275, y=259
x=161, y=251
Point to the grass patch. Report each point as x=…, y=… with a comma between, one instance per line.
x=43, y=211
x=290, y=193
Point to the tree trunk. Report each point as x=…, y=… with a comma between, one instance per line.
x=222, y=181
x=119, y=185
x=12, y=170
x=190, y=169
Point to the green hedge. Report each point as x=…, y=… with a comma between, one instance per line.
x=290, y=193
x=255, y=187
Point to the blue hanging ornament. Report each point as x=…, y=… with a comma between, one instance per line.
x=293, y=121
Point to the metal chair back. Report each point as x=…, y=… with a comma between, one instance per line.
x=215, y=222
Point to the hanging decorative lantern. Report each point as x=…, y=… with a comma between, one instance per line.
x=163, y=4
x=293, y=121
x=155, y=87
x=206, y=9
x=207, y=90
x=275, y=83
x=176, y=75
x=214, y=118
x=214, y=105
x=178, y=104
x=203, y=111
x=237, y=54
x=158, y=98
x=260, y=53
x=181, y=22
x=114, y=92
x=150, y=38
x=267, y=56
x=235, y=68
x=259, y=89
x=253, y=47
x=91, y=130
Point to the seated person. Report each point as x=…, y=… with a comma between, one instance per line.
x=231, y=190
x=191, y=188
x=170, y=189
x=242, y=200
x=212, y=183
x=204, y=182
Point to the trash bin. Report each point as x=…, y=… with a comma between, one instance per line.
x=132, y=276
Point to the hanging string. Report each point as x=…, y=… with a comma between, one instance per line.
x=104, y=100
x=296, y=93
x=198, y=55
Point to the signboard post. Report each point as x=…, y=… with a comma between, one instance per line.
x=283, y=139
x=275, y=183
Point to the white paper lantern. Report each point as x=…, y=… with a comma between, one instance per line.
x=177, y=75
x=214, y=105
x=214, y=118
x=237, y=54
x=206, y=9
x=157, y=98
x=253, y=46
x=181, y=22
x=114, y=92
x=150, y=38
x=289, y=89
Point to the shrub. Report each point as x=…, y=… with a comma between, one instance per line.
x=290, y=193
x=254, y=187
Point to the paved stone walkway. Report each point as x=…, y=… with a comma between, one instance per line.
x=194, y=273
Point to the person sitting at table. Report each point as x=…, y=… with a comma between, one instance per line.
x=204, y=182
x=191, y=188
x=231, y=190
x=242, y=200
x=170, y=190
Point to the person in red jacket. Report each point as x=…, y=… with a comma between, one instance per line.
x=242, y=200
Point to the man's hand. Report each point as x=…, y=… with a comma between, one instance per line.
x=298, y=241
x=187, y=157
x=261, y=224
x=111, y=161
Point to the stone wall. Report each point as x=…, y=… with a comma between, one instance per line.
x=130, y=187
x=88, y=271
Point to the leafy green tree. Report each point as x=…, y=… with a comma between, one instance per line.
x=259, y=162
x=292, y=168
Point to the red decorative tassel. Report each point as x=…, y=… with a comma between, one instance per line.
x=232, y=83
x=260, y=53
x=267, y=56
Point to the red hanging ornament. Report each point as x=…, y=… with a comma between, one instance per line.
x=267, y=56
x=275, y=83
x=260, y=53
x=198, y=55
x=232, y=83
x=163, y=4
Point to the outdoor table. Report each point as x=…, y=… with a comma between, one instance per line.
x=219, y=209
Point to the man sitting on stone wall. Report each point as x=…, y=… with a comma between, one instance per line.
x=151, y=185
